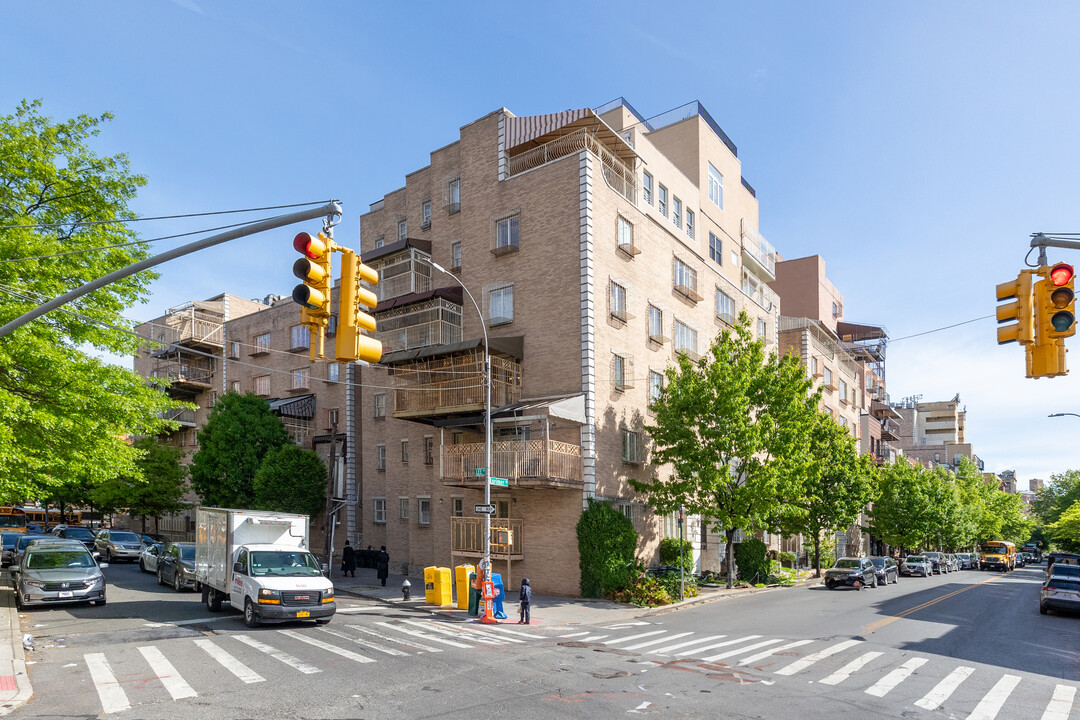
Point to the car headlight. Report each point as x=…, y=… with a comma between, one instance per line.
x=94, y=582
x=328, y=595
x=270, y=597
x=34, y=584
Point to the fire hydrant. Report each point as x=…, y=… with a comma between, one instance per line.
x=406, y=586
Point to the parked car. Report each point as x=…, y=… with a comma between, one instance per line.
x=176, y=566
x=77, y=532
x=148, y=558
x=854, y=571
x=885, y=568
x=20, y=546
x=1055, y=559
x=35, y=528
x=964, y=560
x=8, y=553
x=51, y=573
x=1021, y=561
x=1060, y=593
x=1066, y=571
x=917, y=565
x=953, y=562
x=153, y=539
x=116, y=545
x=938, y=561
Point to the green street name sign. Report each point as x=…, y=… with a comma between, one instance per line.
x=480, y=472
x=501, y=482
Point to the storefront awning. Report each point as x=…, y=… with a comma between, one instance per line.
x=301, y=407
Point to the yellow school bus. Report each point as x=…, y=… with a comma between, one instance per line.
x=997, y=555
x=12, y=519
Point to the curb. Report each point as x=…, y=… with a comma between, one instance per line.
x=718, y=597
x=412, y=606
x=14, y=682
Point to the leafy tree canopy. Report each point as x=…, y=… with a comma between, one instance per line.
x=1066, y=529
x=291, y=479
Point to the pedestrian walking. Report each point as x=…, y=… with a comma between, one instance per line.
x=382, y=564
x=348, y=560
x=524, y=600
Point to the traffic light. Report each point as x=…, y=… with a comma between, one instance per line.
x=351, y=344
x=1020, y=310
x=1055, y=320
x=313, y=294
x=1060, y=302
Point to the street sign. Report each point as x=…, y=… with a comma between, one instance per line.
x=501, y=482
x=480, y=472
x=484, y=509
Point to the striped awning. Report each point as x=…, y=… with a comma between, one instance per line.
x=530, y=131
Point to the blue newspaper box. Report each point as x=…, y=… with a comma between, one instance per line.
x=500, y=595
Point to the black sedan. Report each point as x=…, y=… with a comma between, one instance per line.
x=886, y=569
x=857, y=572
x=176, y=566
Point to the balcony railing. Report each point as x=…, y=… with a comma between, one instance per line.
x=548, y=461
x=467, y=536
x=200, y=375
x=759, y=250
x=188, y=326
x=402, y=274
x=453, y=384
x=431, y=322
x=184, y=416
x=616, y=173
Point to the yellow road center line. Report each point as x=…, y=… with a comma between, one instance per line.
x=877, y=625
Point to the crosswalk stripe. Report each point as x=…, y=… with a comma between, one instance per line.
x=390, y=638
x=424, y=636
x=850, y=669
x=447, y=631
x=740, y=651
x=647, y=643
x=365, y=643
x=278, y=655
x=634, y=637
x=485, y=632
x=498, y=629
x=577, y=634
x=113, y=698
x=593, y=638
x=882, y=687
x=762, y=655
x=803, y=663
x=1061, y=704
x=167, y=674
x=230, y=663
x=726, y=643
x=988, y=707
x=941, y=692
x=328, y=647
x=695, y=641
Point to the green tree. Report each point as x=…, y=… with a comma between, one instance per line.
x=291, y=479
x=1066, y=529
x=63, y=413
x=732, y=427
x=157, y=488
x=238, y=434
x=837, y=484
x=1015, y=524
x=607, y=542
x=1057, y=496
x=900, y=515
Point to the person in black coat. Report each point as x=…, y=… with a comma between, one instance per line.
x=525, y=600
x=348, y=560
x=382, y=565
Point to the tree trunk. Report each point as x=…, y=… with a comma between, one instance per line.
x=817, y=554
x=730, y=558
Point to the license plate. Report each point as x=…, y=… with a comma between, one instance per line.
x=64, y=593
x=303, y=613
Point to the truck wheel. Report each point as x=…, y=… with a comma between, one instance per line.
x=251, y=619
x=212, y=599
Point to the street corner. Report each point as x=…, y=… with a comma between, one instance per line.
x=14, y=683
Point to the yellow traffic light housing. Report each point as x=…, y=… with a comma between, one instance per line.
x=351, y=345
x=313, y=294
x=1060, y=307
x=1019, y=310
x=1055, y=320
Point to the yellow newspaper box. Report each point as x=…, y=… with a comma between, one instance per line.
x=461, y=582
x=437, y=588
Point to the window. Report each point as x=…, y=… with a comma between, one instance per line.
x=332, y=371
x=626, y=509
x=762, y=331
x=261, y=345
x=380, y=457
x=684, y=278
x=814, y=366
x=646, y=188
x=626, y=236
x=501, y=305
x=843, y=392
x=630, y=447
x=299, y=337
x=725, y=306
x=622, y=371
x=455, y=255
x=676, y=211
x=716, y=187
x=261, y=385
x=331, y=325
x=685, y=340
x=379, y=242
x=423, y=511
x=734, y=259
x=828, y=377
x=457, y=507
x=690, y=223
x=716, y=249
x=425, y=215
x=617, y=301
x=506, y=235
x=403, y=508
x=454, y=191
x=236, y=386
x=837, y=310
x=213, y=398
x=656, y=385
x=429, y=450
x=378, y=506
x=404, y=451
x=332, y=418
x=379, y=402
x=234, y=349
x=301, y=379
x=661, y=201
x=402, y=229
x=656, y=324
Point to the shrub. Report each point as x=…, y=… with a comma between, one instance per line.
x=670, y=582
x=788, y=557
x=751, y=560
x=645, y=591
x=669, y=553
x=606, y=544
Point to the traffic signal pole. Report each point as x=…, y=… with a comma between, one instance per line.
x=330, y=210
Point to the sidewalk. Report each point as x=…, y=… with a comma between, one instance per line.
x=14, y=682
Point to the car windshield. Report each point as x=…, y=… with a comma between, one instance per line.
x=878, y=562
x=187, y=552
x=59, y=559
x=283, y=563
x=1060, y=584
x=78, y=533
x=962, y=556
x=916, y=559
x=128, y=537
x=846, y=563
x=933, y=555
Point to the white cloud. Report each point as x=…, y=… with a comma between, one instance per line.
x=188, y=5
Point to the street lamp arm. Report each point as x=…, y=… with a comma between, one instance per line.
x=1063, y=414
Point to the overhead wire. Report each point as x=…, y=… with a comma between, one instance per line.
x=159, y=217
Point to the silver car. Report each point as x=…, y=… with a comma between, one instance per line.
x=57, y=574
x=1060, y=593
x=116, y=545
x=917, y=565
x=148, y=559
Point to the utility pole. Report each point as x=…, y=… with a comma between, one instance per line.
x=330, y=502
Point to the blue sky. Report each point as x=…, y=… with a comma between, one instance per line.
x=914, y=146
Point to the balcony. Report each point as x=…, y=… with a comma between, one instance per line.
x=525, y=463
x=419, y=321
x=758, y=253
x=192, y=325
x=453, y=384
x=467, y=537
x=185, y=417
x=192, y=375
x=403, y=272
x=616, y=172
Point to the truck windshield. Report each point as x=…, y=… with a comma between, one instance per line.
x=992, y=549
x=283, y=563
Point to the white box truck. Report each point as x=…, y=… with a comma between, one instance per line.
x=258, y=562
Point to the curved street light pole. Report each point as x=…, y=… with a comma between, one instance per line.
x=1062, y=414
x=487, y=417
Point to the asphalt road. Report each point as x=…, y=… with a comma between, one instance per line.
x=966, y=644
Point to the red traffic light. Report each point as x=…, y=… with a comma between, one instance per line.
x=1061, y=274
x=310, y=245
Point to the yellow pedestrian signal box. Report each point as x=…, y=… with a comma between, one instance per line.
x=501, y=537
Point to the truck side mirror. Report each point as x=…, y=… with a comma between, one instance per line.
x=238, y=567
